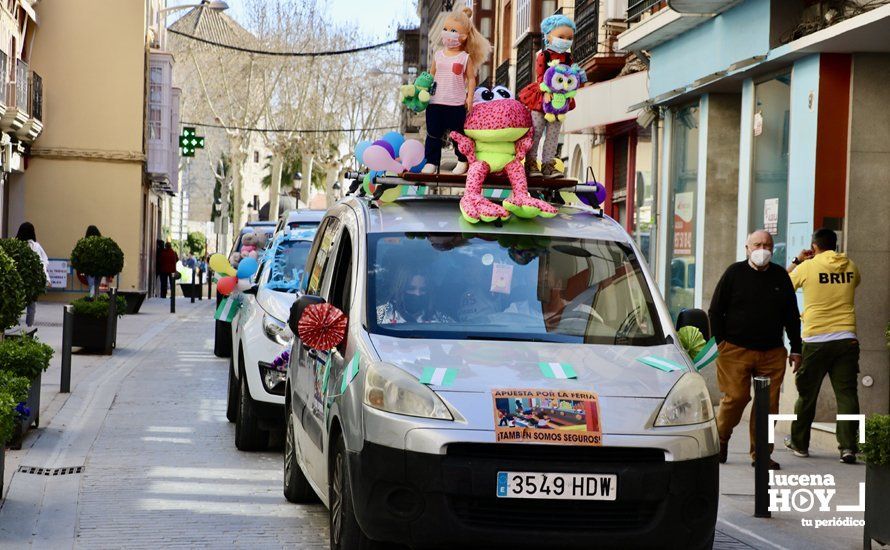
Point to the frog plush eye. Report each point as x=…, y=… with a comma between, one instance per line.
x=501, y=92
x=483, y=95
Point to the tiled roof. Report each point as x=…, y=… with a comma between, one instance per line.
x=215, y=26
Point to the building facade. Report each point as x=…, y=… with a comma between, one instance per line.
x=773, y=117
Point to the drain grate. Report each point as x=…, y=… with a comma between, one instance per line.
x=50, y=471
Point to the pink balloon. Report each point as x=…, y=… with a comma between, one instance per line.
x=411, y=153
x=226, y=285
x=377, y=158
x=386, y=145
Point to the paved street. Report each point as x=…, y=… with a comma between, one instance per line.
x=159, y=469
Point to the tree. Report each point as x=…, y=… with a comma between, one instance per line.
x=196, y=242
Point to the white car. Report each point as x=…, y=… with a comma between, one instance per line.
x=260, y=335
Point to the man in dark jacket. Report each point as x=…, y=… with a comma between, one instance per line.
x=167, y=267
x=753, y=303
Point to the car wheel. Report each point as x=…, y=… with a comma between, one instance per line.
x=296, y=486
x=344, y=529
x=232, y=399
x=248, y=435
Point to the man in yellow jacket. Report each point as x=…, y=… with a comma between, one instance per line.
x=829, y=280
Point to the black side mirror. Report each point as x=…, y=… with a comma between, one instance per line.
x=252, y=290
x=296, y=310
x=695, y=318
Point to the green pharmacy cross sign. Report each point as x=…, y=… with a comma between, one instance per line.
x=188, y=141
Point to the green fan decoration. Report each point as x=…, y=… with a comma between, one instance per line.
x=692, y=340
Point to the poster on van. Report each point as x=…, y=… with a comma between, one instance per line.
x=555, y=417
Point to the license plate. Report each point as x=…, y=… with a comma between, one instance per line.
x=557, y=486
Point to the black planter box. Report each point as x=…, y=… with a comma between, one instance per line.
x=222, y=342
x=95, y=334
x=24, y=424
x=877, y=504
x=134, y=301
x=189, y=290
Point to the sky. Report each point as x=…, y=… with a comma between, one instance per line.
x=376, y=19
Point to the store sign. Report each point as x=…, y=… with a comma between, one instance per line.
x=684, y=206
x=58, y=273
x=771, y=216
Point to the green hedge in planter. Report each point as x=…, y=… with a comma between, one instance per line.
x=24, y=356
x=12, y=297
x=29, y=267
x=876, y=448
x=98, y=306
x=97, y=257
x=13, y=390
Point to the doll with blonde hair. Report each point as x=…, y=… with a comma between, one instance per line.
x=454, y=70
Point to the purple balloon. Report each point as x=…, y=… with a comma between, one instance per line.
x=592, y=193
x=386, y=145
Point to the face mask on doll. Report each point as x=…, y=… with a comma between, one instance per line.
x=451, y=39
x=559, y=45
x=761, y=257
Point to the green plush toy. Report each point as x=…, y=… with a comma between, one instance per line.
x=417, y=96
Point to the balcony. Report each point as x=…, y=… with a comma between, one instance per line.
x=4, y=71
x=18, y=98
x=525, y=59
x=654, y=22
x=595, y=47
x=636, y=8
x=34, y=126
x=502, y=74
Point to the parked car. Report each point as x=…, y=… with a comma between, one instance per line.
x=222, y=337
x=489, y=387
x=260, y=334
x=299, y=219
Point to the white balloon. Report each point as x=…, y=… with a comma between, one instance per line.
x=244, y=284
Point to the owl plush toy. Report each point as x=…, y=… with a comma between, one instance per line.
x=560, y=85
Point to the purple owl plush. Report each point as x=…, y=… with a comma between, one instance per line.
x=561, y=83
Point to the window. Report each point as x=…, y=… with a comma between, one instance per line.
x=548, y=7
x=321, y=249
x=288, y=266
x=682, y=202
x=523, y=17
x=522, y=288
x=155, y=103
x=643, y=227
x=485, y=27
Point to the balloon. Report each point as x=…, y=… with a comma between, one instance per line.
x=247, y=267
x=395, y=139
x=360, y=149
x=226, y=285
x=243, y=284
x=419, y=167
x=411, y=153
x=378, y=158
x=386, y=145
x=368, y=185
x=220, y=264
x=591, y=193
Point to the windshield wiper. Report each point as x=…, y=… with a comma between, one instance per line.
x=501, y=337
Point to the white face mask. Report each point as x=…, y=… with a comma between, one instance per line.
x=761, y=257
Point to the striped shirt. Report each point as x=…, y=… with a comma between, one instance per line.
x=451, y=88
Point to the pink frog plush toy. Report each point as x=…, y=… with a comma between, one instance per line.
x=496, y=139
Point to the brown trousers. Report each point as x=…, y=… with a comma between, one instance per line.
x=735, y=368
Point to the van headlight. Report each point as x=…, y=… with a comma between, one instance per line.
x=391, y=389
x=277, y=331
x=688, y=402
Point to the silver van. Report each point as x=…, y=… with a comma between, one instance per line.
x=512, y=385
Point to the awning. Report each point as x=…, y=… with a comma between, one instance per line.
x=608, y=102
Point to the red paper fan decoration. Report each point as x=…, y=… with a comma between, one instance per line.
x=322, y=326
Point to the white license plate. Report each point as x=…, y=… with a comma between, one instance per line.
x=557, y=486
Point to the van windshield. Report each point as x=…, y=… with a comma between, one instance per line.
x=288, y=265
x=508, y=287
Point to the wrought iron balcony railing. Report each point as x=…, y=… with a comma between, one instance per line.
x=636, y=8
x=587, y=35
x=36, y=96
x=502, y=74
x=22, y=86
x=525, y=59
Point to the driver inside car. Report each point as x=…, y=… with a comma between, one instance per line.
x=410, y=301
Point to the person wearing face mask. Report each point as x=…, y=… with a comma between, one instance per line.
x=830, y=345
x=753, y=304
x=559, y=32
x=410, y=302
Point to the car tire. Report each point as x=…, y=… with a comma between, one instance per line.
x=296, y=486
x=345, y=532
x=232, y=398
x=248, y=435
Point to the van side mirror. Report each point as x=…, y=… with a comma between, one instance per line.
x=695, y=318
x=252, y=290
x=299, y=306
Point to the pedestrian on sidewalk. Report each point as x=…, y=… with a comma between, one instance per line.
x=93, y=282
x=830, y=346
x=752, y=304
x=167, y=267
x=26, y=233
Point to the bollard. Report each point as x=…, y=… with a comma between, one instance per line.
x=67, y=328
x=760, y=410
x=209, y=283
x=193, y=286
x=112, y=321
x=172, y=294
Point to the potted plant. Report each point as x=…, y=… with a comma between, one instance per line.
x=13, y=389
x=97, y=257
x=12, y=295
x=28, y=266
x=26, y=357
x=93, y=328
x=876, y=451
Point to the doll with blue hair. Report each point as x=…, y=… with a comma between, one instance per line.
x=558, y=32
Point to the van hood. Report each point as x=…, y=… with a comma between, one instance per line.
x=612, y=371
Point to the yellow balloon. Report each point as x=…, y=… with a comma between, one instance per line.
x=559, y=165
x=220, y=264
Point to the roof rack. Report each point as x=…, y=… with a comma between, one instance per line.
x=499, y=181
